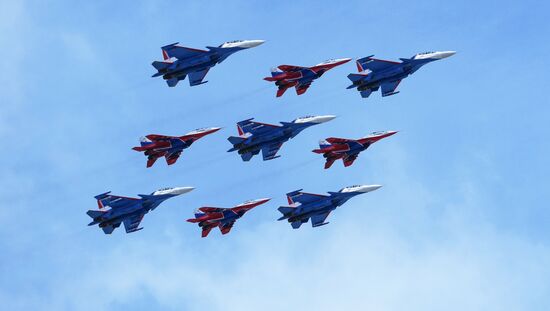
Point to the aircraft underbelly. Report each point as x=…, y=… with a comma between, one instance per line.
x=185, y=70
x=260, y=142
x=119, y=217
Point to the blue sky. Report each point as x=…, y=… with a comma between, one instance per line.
x=460, y=224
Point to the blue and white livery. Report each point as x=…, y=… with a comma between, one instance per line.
x=303, y=206
x=180, y=62
x=377, y=73
x=268, y=138
x=114, y=210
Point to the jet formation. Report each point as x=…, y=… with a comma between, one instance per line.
x=377, y=73
x=286, y=76
x=348, y=150
x=255, y=137
x=303, y=206
x=268, y=138
x=155, y=146
x=180, y=61
x=114, y=210
x=223, y=218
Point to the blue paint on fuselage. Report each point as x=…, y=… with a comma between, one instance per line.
x=307, y=76
x=319, y=207
x=182, y=67
x=144, y=205
x=230, y=216
x=280, y=134
x=391, y=74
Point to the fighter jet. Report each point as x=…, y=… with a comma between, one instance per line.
x=223, y=218
x=170, y=147
x=286, y=76
x=348, y=150
x=114, y=210
x=303, y=206
x=375, y=73
x=180, y=61
x=268, y=138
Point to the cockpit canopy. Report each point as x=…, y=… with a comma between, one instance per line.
x=162, y=190
x=303, y=118
x=347, y=189
x=229, y=42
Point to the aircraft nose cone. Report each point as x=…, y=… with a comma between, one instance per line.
x=447, y=54
x=369, y=188
x=323, y=119
x=263, y=200
x=181, y=190
x=343, y=60
x=252, y=43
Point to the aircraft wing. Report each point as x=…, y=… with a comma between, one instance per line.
x=131, y=224
x=196, y=77
x=180, y=52
x=302, y=88
x=336, y=140
x=287, y=68
x=207, y=209
x=255, y=128
x=319, y=220
x=304, y=197
x=171, y=158
x=349, y=160
x=388, y=88
x=373, y=64
x=226, y=227
x=113, y=201
x=269, y=152
x=156, y=137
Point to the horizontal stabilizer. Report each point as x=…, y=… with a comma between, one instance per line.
x=163, y=65
x=95, y=214
x=235, y=140
x=296, y=224
x=356, y=77
x=285, y=210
